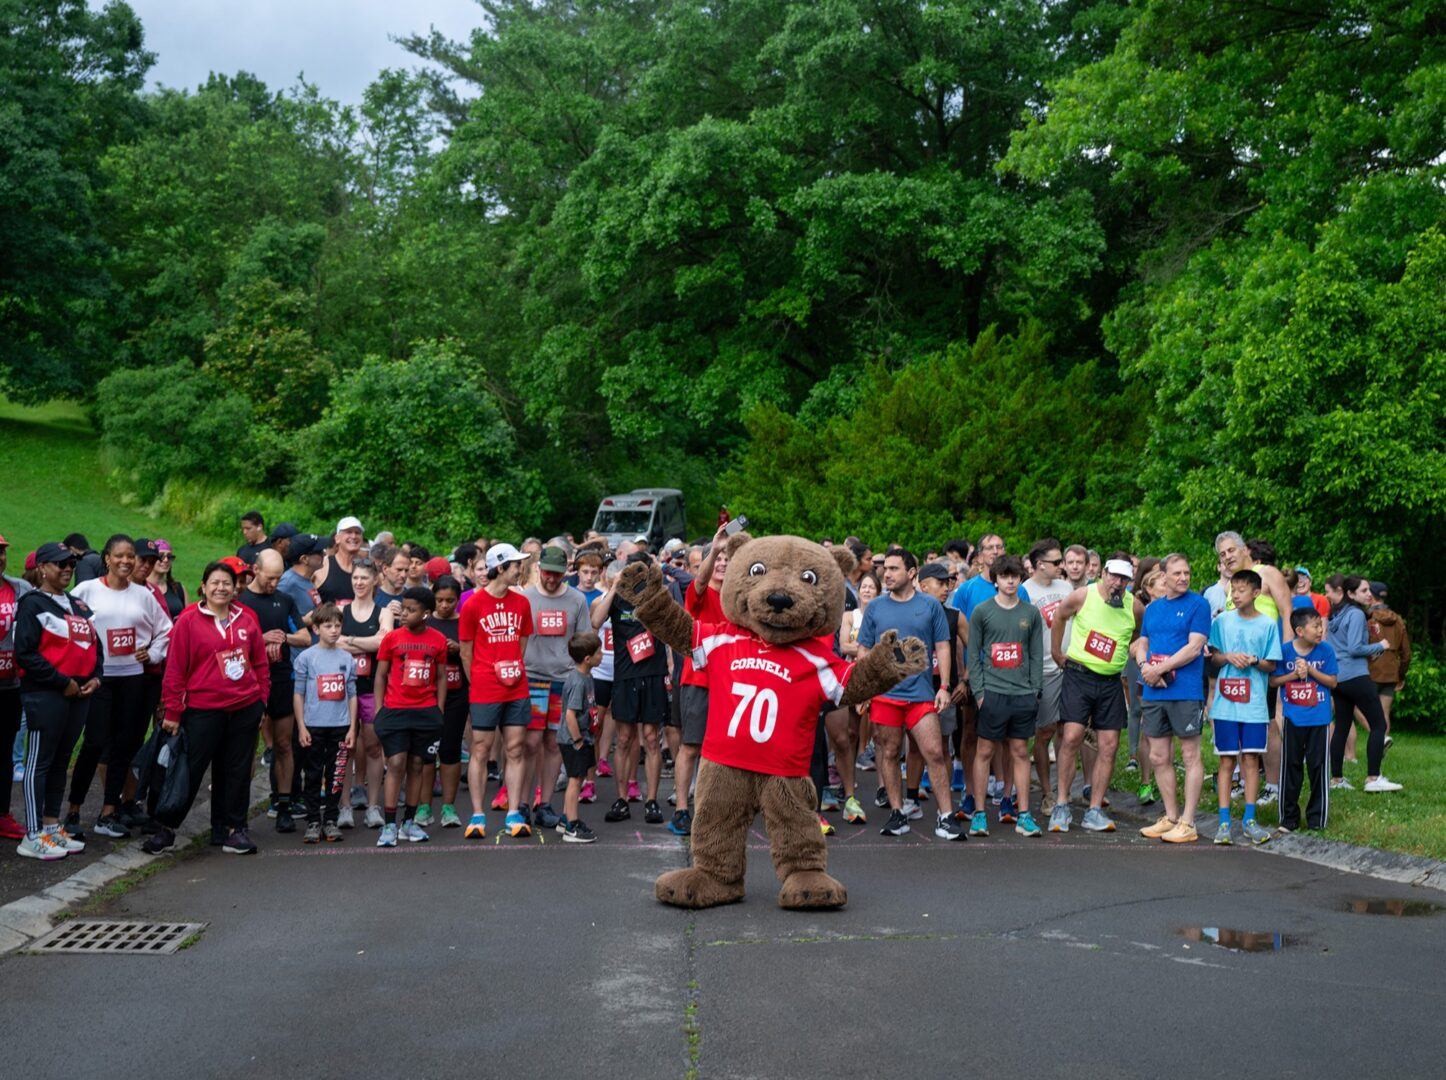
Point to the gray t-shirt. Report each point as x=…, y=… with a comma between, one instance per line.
x=554, y=620
x=326, y=679
x=576, y=695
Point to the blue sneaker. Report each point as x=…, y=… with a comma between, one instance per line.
x=1025, y=826
x=1007, y=815
x=829, y=800
x=924, y=782
x=388, y=836
x=682, y=823
x=979, y=824
x=516, y=825
x=956, y=782
x=968, y=805
x=1096, y=820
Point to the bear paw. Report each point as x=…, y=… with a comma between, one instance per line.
x=807, y=889
x=692, y=888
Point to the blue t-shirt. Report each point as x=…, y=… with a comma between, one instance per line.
x=1323, y=659
x=970, y=594
x=1168, y=625
x=919, y=616
x=1240, y=693
x=301, y=591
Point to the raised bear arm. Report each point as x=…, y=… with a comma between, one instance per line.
x=887, y=664
x=641, y=585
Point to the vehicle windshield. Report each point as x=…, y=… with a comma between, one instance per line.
x=623, y=521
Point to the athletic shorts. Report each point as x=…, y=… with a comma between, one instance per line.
x=693, y=702
x=576, y=761
x=278, y=703
x=891, y=712
x=1046, y=715
x=545, y=700
x=1383, y=689
x=1006, y=716
x=1181, y=719
x=490, y=715
x=409, y=731
x=948, y=721
x=1233, y=737
x=1090, y=699
x=641, y=701
x=366, y=708
x=454, y=722
x=602, y=692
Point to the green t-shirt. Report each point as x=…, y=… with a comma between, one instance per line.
x=1005, y=653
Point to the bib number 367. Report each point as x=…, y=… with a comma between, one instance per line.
x=761, y=707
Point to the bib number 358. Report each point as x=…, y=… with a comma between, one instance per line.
x=761, y=707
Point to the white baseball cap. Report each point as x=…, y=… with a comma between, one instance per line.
x=1120, y=567
x=502, y=554
x=349, y=523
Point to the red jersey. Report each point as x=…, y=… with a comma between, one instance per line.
x=707, y=608
x=498, y=630
x=764, y=700
x=215, y=663
x=417, y=661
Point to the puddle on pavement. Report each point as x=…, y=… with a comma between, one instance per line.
x=1383, y=906
x=1238, y=940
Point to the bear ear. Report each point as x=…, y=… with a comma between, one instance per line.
x=844, y=557
x=735, y=542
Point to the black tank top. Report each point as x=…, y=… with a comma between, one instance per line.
x=175, y=599
x=337, y=586
x=456, y=677
x=351, y=626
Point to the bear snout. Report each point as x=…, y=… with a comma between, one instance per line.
x=779, y=601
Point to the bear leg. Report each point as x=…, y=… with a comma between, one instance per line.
x=800, y=856
x=725, y=804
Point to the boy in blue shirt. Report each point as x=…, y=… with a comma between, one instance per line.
x=1305, y=676
x=1245, y=646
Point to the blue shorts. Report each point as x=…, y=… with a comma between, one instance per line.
x=1233, y=737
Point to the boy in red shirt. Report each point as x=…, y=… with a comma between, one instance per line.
x=411, y=667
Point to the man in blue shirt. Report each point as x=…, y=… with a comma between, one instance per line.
x=1171, y=653
x=974, y=591
x=1305, y=677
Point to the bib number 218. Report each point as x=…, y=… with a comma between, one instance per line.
x=762, y=709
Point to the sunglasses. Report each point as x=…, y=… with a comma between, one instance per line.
x=1050, y=562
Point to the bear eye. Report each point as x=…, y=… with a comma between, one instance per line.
x=810, y=577
x=757, y=569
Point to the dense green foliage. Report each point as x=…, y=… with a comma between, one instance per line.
x=1121, y=272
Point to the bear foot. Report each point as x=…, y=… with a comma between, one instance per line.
x=692, y=888
x=806, y=889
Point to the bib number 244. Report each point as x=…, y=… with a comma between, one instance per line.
x=761, y=707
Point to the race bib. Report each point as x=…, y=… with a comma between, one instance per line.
x=315, y=597
x=331, y=687
x=1302, y=692
x=1099, y=646
x=641, y=647
x=1006, y=654
x=607, y=639
x=417, y=671
x=454, y=677
x=552, y=623
x=121, y=641
x=233, y=664
x=7, y=664
x=1160, y=658
x=1236, y=690
x=508, y=671
x=81, y=632
x=1047, y=612
x=363, y=664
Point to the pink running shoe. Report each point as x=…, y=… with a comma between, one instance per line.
x=588, y=793
x=603, y=768
x=634, y=792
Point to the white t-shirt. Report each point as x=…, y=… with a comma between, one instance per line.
x=126, y=620
x=1047, y=598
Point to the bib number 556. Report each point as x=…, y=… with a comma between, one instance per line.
x=762, y=709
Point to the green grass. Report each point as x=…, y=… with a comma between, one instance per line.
x=1412, y=821
x=54, y=485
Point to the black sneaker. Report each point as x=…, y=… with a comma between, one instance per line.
x=284, y=821
x=494, y=775
x=897, y=825
x=219, y=834
x=682, y=823
x=110, y=825
x=72, y=826
x=618, y=811
x=547, y=817
x=132, y=816
x=947, y=827
x=881, y=798
x=239, y=843
x=578, y=833
x=652, y=812
x=526, y=811
x=158, y=841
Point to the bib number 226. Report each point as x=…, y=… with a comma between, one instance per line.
x=761, y=707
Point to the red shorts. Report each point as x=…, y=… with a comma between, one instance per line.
x=890, y=712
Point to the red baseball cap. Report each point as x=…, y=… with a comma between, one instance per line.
x=238, y=565
x=436, y=567
x=4, y=542
x=30, y=561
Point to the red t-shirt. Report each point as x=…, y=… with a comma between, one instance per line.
x=764, y=700
x=497, y=629
x=706, y=608
x=417, y=662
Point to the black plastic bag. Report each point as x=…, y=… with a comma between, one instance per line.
x=175, y=787
x=144, y=766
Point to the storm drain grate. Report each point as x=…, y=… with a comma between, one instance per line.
x=106, y=936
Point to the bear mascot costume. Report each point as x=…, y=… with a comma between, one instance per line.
x=771, y=667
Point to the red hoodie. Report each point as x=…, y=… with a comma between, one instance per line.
x=215, y=663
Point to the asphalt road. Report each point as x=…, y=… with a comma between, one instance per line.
x=1062, y=956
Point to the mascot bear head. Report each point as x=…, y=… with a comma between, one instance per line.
x=784, y=588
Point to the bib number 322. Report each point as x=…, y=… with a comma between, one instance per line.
x=761, y=707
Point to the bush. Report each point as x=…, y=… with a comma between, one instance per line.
x=1421, y=704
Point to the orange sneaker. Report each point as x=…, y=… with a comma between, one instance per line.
x=1159, y=829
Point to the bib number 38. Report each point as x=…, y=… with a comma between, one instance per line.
x=761, y=707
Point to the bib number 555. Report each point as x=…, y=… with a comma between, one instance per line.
x=762, y=709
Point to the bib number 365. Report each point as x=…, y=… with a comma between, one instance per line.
x=761, y=707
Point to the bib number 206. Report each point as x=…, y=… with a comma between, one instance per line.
x=762, y=709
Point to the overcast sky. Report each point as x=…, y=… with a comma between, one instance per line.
x=340, y=45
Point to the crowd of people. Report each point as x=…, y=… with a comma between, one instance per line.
x=381, y=678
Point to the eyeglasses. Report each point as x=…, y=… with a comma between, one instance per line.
x=1049, y=562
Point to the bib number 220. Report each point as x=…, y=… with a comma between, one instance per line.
x=762, y=709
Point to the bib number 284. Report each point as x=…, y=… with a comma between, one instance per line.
x=761, y=707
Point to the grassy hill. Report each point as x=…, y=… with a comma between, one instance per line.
x=54, y=485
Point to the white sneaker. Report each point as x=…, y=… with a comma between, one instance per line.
x=1340, y=783
x=69, y=844
x=345, y=819
x=374, y=819
x=911, y=810
x=40, y=847
x=1380, y=783
x=1268, y=796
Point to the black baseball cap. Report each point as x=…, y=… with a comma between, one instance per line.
x=284, y=531
x=146, y=549
x=75, y=540
x=935, y=570
x=305, y=544
x=54, y=553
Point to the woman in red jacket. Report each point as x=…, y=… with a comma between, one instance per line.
x=216, y=682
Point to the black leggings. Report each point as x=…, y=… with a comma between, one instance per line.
x=225, y=740
x=53, y=723
x=454, y=721
x=116, y=709
x=323, y=779
x=1353, y=694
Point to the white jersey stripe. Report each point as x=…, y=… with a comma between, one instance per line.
x=827, y=681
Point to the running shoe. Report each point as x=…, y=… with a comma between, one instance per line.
x=313, y=833
x=1159, y=829
x=1046, y=802
x=1270, y=795
x=1007, y=813
x=239, y=843
x=42, y=847
x=897, y=825
x=603, y=768
x=1096, y=820
x=968, y=805
x=374, y=819
x=1237, y=790
x=272, y=808
x=865, y=761
x=1026, y=825
x=424, y=815
x=17, y=774
x=682, y=823
x=10, y=829
x=1060, y=818
x=673, y=798
x=956, y=782
x=911, y=810
x=285, y=823
x=358, y=797
x=71, y=844
x=1222, y=835
x=1380, y=784
x=619, y=811
x=345, y=819
x=1132, y=765
x=881, y=799
x=1387, y=746
x=132, y=815
x=996, y=790
x=494, y=772
x=526, y=812
x=1255, y=832
x=1105, y=802
x=979, y=824
x=388, y=836
x=158, y=841
x=947, y=828
x=1149, y=795
x=652, y=812
x=826, y=826
x=110, y=825
x=516, y=826
x=73, y=827
x=588, y=793
x=562, y=824
x=546, y=817
x=499, y=801
x=268, y=757
x=330, y=833
x=853, y=813
x=1340, y=783
x=635, y=793
x=829, y=800
x=450, y=818
x=476, y=828
x=414, y=832
x=578, y=833
x=1182, y=833
x=925, y=784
